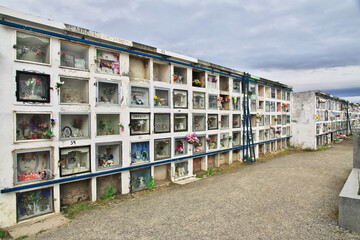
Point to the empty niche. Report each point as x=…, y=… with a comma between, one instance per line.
x=139, y=68
x=162, y=174
x=261, y=150
x=212, y=161
x=261, y=90
x=180, y=75
x=108, y=184
x=198, y=78
x=224, y=158
x=199, y=164
x=32, y=48
x=34, y=203
x=74, y=192
x=261, y=105
x=161, y=72
x=74, y=55
x=74, y=91
x=236, y=155
x=224, y=83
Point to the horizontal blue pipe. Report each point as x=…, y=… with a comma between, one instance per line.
x=15, y=25
x=101, y=173
x=318, y=135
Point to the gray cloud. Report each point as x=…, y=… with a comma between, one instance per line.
x=268, y=35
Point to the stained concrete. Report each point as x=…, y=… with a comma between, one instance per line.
x=356, y=153
x=349, y=203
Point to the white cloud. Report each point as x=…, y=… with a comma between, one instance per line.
x=303, y=43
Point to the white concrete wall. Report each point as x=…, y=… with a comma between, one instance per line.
x=303, y=120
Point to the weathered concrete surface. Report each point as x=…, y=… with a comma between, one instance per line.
x=33, y=227
x=303, y=126
x=349, y=203
x=292, y=196
x=356, y=157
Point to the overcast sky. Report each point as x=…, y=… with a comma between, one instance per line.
x=303, y=43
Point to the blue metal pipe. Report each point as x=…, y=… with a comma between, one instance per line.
x=112, y=171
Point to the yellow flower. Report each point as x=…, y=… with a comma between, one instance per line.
x=155, y=97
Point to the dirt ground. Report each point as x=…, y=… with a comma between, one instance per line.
x=292, y=196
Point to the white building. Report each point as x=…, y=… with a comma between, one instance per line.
x=319, y=118
x=82, y=111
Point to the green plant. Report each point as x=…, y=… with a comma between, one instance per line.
x=210, y=171
x=4, y=234
x=308, y=150
x=151, y=183
x=321, y=149
x=70, y=211
x=109, y=192
x=22, y=237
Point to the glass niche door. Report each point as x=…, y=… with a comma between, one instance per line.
x=139, y=123
x=198, y=100
x=74, y=160
x=162, y=148
x=161, y=122
x=32, y=87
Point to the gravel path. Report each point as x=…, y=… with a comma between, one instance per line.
x=293, y=196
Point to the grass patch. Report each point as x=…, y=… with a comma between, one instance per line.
x=22, y=237
x=309, y=150
x=72, y=210
x=321, y=149
x=4, y=234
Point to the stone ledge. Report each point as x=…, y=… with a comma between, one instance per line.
x=349, y=203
